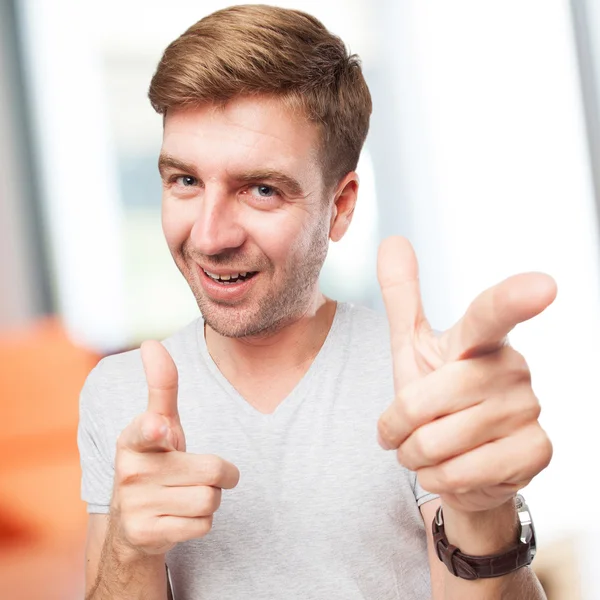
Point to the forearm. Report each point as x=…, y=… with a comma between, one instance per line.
x=481, y=534
x=126, y=575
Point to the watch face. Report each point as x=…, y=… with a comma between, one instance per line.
x=527, y=534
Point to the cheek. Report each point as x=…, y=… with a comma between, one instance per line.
x=281, y=235
x=177, y=222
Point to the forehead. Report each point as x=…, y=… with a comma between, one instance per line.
x=244, y=133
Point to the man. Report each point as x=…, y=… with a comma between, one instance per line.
x=276, y=395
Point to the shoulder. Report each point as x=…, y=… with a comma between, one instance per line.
x=367, y=357
x=368, y=329
x=374, y=320
x=117, y=385
x=126, y=367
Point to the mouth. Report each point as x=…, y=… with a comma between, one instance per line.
x=227, y=287
x=230, y=278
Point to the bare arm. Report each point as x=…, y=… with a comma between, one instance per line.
x=478, y=536
x=113, y=572
x=96, y=534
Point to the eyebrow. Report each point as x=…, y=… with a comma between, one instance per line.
x=166, y=162
x=280, y=179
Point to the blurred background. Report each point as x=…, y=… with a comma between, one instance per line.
x=484, y=150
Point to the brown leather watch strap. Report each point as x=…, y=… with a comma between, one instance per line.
x=478, y=567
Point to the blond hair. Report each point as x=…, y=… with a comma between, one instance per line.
x=265, y=50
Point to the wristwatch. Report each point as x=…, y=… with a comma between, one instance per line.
x=495, y=565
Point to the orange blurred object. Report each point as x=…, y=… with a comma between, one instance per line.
x=41, y=374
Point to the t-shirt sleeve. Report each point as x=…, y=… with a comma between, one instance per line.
x=421, y=495
x=97, y=470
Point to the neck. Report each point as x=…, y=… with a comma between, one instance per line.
x=295, y=344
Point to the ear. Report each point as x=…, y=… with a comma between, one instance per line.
x=342, y=209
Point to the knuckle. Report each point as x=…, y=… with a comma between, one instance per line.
x=200, y=527
x=404, y=459
x=215, y=499
x=543, y=448
x=210, y=500
x=384, y=426
x=517, y=367
x=410, y=407
x=121, y=445
x=452, y=479
x=125, y=470
x=213, y=469
x=127, y=434
x=427, y=482
x=128, y=471
x=476, y=373
x=205, y=525
x=523, y=408
x=426, y=446
x=533, y=408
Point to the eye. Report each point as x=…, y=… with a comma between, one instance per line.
x=263, y=191
x=185, y=180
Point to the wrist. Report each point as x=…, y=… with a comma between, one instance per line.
x=125, y=554
x=482, y=533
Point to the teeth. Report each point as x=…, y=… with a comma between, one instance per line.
x=226, y=277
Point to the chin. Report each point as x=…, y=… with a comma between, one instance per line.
x=262, y=320
x=232, y=321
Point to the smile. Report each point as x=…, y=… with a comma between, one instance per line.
x=230, y=278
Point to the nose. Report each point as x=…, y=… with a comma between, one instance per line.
x=217, y=228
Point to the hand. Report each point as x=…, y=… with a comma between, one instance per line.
x=163, y=495
x=465, y=417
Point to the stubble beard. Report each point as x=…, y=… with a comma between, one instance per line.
x=285, y=302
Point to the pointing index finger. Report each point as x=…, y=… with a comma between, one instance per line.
x=398, y=274
x=202, y=469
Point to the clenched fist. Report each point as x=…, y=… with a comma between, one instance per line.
x=163, y=495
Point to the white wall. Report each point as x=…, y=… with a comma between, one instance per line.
x=78, y=178
x=500, y=184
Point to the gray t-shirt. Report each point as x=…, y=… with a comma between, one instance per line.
x=320, y=512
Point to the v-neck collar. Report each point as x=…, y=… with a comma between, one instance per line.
x=295, y=397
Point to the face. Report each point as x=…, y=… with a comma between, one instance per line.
x=245, y=213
